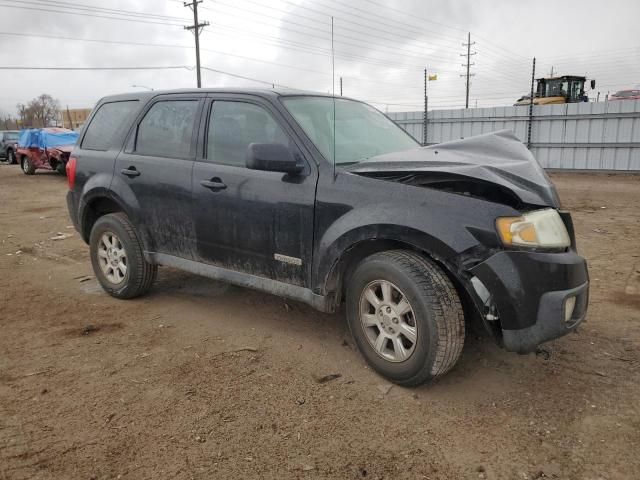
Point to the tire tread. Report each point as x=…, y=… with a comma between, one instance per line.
x=144, y=273
x=443, y=299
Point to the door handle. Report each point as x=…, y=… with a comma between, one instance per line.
x=215, y=184
x=130, y=172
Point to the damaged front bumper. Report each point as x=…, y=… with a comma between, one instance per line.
x=538, y=296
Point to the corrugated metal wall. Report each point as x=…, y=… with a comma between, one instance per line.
x=593, y=136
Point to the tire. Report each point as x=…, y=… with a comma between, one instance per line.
x=138, y=275
x=11, y=157
x=434, y=323
x=27, y=166
x=61, y=168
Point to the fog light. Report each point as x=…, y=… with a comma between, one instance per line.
x=569, y=305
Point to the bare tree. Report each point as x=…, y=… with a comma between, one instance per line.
x=41, y=111
x=22, y=113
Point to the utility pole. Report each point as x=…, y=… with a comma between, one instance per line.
x=533, y=79
x=551, y=74
x=197, y=29
x=340, y=86
x=468, y=65
x=426, y=105
x=69, y=116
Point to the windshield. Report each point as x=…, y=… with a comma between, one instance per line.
x=12, y=136
x=555, y=87
x=360, y=130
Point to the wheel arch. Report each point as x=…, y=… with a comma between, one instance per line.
x=103, y=203
x=344, y=266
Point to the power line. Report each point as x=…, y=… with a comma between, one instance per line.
x=338, y=34
x=235, y=75
x=121, y=19
x=161, y=45
x=423, y=19
x=369, y=28
x=172, y=67
x=81, y=6
x=363, y=43
x=385, y=21
x=402, y=12
x=292, y=45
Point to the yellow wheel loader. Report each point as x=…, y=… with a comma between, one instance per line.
x=555, y=90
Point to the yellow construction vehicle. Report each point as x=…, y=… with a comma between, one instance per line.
x=554, y=90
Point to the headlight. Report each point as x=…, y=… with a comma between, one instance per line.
x=541, y=228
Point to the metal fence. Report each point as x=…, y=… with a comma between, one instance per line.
x=589, y=136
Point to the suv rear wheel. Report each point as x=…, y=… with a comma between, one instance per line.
x=11, y=157
x=117, y=258
x=405, y=316
x=27, y=166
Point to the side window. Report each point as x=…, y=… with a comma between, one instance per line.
x=104, y=124
x=233, y=126
x=166, y=129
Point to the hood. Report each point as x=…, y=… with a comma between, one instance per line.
x=494, y=166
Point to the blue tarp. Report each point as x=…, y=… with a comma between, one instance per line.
x=46, y=137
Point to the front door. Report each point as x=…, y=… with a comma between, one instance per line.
x=251, y=221
x=156, y=167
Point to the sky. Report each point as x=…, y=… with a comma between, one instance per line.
x=381, y=47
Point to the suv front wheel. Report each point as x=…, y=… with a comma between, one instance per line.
x=405, y=316
x=117, y=258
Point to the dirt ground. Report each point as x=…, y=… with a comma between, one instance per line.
x=201, y=380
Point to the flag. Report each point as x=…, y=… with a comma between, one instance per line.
x=433, y=77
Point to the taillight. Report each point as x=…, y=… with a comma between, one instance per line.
x=71, y=172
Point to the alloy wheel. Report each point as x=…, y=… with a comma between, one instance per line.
x=388, y=321
x=112, y=258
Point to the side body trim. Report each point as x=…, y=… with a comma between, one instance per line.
x=294, y=292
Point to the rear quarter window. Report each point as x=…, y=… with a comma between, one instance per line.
x=104, y=124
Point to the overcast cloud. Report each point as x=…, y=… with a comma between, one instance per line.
x=380, y=53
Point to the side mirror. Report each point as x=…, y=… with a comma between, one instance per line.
x=593, y=84
x=272, y=157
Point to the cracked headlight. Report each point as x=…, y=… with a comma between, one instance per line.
x=538, y=229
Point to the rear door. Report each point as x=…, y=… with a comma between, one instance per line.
x=155, y=170
x=101, y=141
x=251, y=221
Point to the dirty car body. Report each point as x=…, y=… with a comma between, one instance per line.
x=469, y=207
x=45, y=148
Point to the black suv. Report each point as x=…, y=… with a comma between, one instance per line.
x=9, y=145
x=327, y=201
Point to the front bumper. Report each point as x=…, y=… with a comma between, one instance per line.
x=530, y=289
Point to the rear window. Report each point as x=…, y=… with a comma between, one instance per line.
x=105, y=123
x=11, y=136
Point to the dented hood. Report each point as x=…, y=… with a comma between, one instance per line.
x=498, y=158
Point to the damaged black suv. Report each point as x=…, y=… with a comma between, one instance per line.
x=327, y=201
